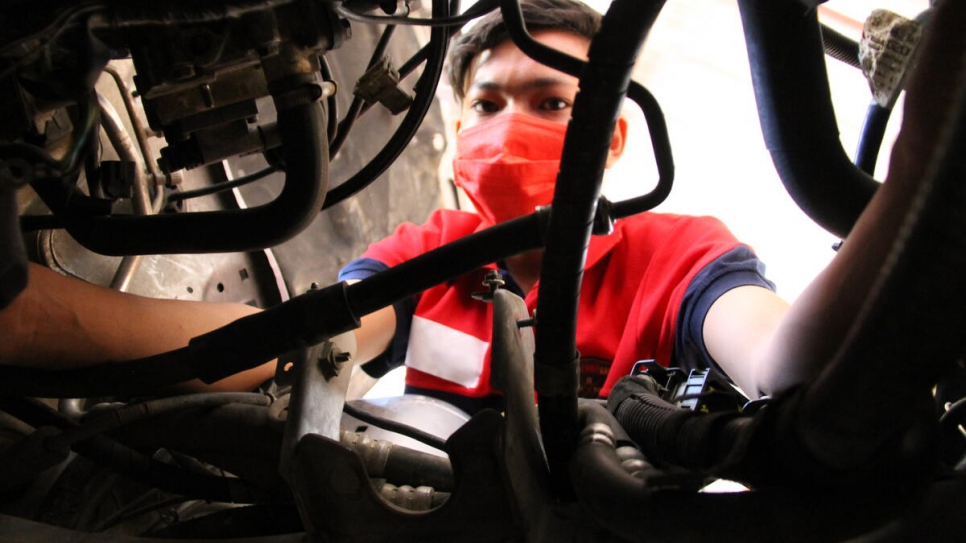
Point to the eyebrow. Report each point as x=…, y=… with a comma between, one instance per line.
x=538, y=83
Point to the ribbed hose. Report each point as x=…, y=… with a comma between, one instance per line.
x=669, y=435
x=840, y=47
x=604, y=83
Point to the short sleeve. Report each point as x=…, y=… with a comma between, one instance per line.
x=738, y=267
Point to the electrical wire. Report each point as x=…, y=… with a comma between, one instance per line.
x=137, y=508
x=54, y=30
x=397, y=427
x=222, y=187
x=425, y=91
x=355, y=109
x=404, y=20
x=117, y=418
x=476, y=10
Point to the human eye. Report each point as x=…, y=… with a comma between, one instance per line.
x=482, y=106
x=555, y=104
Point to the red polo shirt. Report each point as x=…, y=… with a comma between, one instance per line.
x=634, y=282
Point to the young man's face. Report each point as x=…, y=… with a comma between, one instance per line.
x=504, y=80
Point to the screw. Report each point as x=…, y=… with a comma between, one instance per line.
x=493, y=281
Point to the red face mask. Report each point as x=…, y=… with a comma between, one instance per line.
x=508, y=165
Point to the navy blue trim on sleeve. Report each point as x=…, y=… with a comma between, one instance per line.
x=395, y=354
x=738, y=267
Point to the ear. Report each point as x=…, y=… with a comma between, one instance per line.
x=617, y=142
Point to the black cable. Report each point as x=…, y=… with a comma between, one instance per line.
x=663, y=157
x=397, y=427
x=222, y=187
x=425, y=90
x=132, y=463
x=458, y=20
x=871, y=136
x=653, y=116
x=113, y=419
x=355, y=108
x=480, y=8
x=54, y=29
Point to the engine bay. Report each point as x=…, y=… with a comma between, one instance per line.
x=245, y=150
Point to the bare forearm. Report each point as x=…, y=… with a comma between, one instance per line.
x=60, y=323
x=374, y=334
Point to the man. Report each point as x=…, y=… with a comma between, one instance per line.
x=660, y=287
x=761, y=343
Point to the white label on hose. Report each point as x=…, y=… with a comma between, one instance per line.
x=888, y=42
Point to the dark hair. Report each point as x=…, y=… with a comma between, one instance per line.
x=567, y=15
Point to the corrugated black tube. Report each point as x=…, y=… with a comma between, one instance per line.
x=604, y=83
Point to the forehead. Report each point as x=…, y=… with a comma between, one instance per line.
x=507, y=61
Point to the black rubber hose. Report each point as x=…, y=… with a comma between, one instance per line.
x=131, y=463
x=355, y=108
x=797, y=119
x=302, y=130
x=664, y=158
x=304, y=320
x=653, y=116
x=110, y=420
x=604, y=83
x=821, y=505
x=13, y=254
x=671, y=436
x=870, y=139
x=461, y=256
x=425, y=91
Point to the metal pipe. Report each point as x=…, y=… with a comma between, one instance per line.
x=140, y=196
